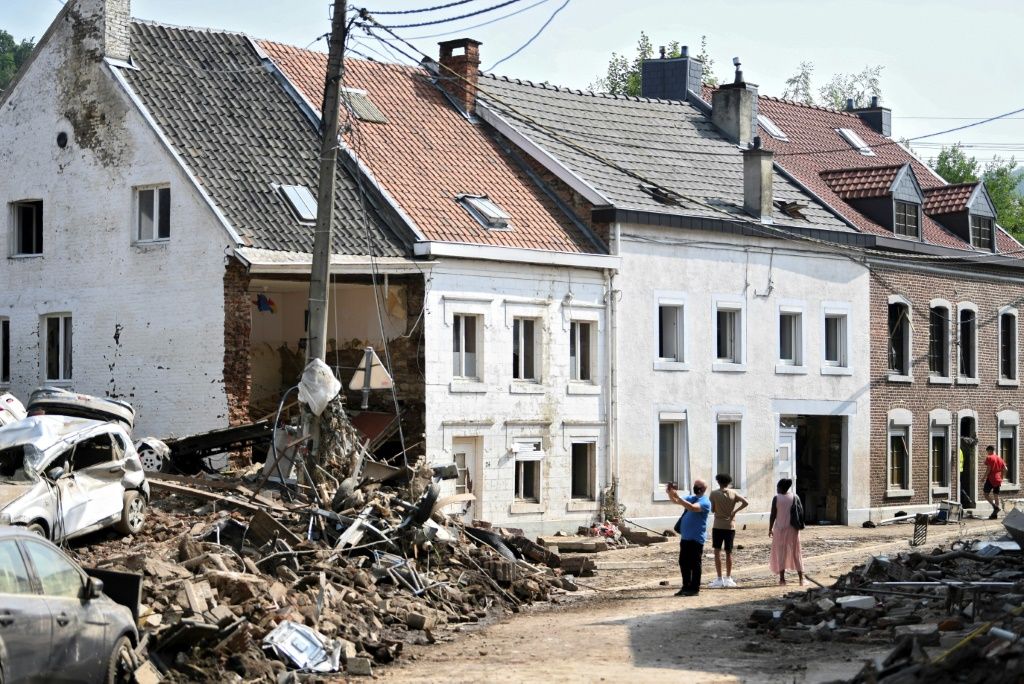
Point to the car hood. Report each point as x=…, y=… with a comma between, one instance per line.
x=38, y=434
x=12, y=492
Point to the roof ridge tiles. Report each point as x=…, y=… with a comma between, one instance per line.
x=809, y=105
x=582, y=93
x=854, y=169
x=203, y=29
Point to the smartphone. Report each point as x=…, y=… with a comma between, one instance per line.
x=673, y=485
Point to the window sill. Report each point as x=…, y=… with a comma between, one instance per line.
x=727, y=367
x=940, y=380
x=1005, y=382
x=899, y=493
x=582, y=388
x=152, y=243
x=25, y=256
x=898, y=377
x=940, y=491
x=784, y=369
x=668, y=365
x=968, y=381
x=1009, y=488
x=577, y=505
x=526, y=387
x=836, y=370
x=526, y=507
x=467, y=387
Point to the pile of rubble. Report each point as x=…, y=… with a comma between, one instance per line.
x=239, y=581
x=955, y=614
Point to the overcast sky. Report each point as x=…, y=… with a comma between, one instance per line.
x=942, y=58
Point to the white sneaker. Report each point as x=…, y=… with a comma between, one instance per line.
x=718, y=583
x=729, y=583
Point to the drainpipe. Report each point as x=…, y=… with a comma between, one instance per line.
x=611, y=358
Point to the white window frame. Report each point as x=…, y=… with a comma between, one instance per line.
x=5, y=350
x=520, y=456
x=66, y=356
x=459, y=374
x=975, y=378
x=845, y=364
x=1008, y=423
x=574, y=361
x=15, y=231
x=592, y=480
x=854, y=140
x=900, y=422
x=676, y=416
x=798, y=364
x=940, y=423
x=908, y=343
x=301, y=201
x=519, y=336
x=734, y=416
x=1004, y=380
x=137, y=213
x=736, y=305
x=680, y=362
x=948, y=377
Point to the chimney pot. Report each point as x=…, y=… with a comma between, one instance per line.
x=662, y=51
x=684, y=51
x=849, y=104
x=874, y=100
x=757, y=182
x=459, y=74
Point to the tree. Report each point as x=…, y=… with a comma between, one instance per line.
x=623, y=75
x=859, y=87
x=954, y=166
x=798, y=86
x=1001, y=178
x=12, y=56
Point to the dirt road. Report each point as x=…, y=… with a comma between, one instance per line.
x=635, y=630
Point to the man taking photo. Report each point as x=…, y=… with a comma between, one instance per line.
x=693, y=532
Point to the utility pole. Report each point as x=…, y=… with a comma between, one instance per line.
x=320, y=276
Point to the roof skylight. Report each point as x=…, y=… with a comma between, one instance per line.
x=489, y=214
x=360, y=104
x=856, y=142
x=301, y=201
x=769, y=125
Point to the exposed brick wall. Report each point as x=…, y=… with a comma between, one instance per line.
x=920, y=397
x=237, y=340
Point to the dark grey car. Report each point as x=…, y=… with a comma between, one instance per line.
x=56, y=625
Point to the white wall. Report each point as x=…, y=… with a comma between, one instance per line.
x=148, y=321
x=697, y=268
x=499, y=410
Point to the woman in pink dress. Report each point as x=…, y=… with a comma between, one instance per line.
x=786, y=553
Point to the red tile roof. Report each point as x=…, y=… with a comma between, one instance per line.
x=948, y=199
x=863, y=182
x=428, y=153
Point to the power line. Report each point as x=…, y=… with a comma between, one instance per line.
x=366, y=15
x=533, y=37
x=482, y=24
x=425, y=9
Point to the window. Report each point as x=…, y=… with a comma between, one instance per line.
x=56, y=573
x=359, y=103
x=855, y=141
x=835, y=340
x=968, y=342
x=940, y=456
x=28, y=228
x=301, y=201
x=1007, y=346
x=899, y=457
x=464, y=347
x=728, y=335
x=671, y=446
x=57, y=347
x=938, y=342
x=13, y=573
x=899, y=339
x=728, y=448
x=489, y=214
x=790, y=339
x=580, y=336
x=982, y=235
x=528, y=461
x=524, y=347
x=1008, y=451
x=462, y=485
x=583, y=470
x=908, y=219
x=153, y=220
x=5, y=350
x=770, y=126
x=670, y=333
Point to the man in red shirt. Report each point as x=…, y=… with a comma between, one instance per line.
x=995, y=467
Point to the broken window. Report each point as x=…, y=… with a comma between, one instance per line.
x=727, y=335
x=464, y=346
x=790, y=338
x=938, y=342
x=835, y=340
x=153, y=219
x=728, y=448
x=583, y=470
x=899, y=338
x=5, y=350
x=908, y=219
x=462, y=481
x=1007, y=346
x=899, y=458
x=982, y=233
x=528, y=460
x=968, y=343
x=28, y=228
x=940, y=457
x=524, y=348
x=580, y=340
x=670, y=333
x=91, y=452
x=57, y=347
x=1008, y=451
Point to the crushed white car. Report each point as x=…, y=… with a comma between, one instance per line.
x=63, y=476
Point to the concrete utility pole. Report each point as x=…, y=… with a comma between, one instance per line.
x=320, y=276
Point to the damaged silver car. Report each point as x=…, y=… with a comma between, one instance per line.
x=63, y=477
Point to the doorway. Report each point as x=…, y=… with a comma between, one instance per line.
x=465, y=451
x=818, y=449
x=968, y=462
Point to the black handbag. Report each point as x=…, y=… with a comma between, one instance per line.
x=796, y=513
x=679, y=525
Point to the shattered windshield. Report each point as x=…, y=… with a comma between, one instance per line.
x=13, y=462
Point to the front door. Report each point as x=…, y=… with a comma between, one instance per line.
x=785, y=455
x=465, y=452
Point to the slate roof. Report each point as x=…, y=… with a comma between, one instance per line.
x=814, y=147
x=670, y=143
x=427, y=153
x=239, y=133
x=863, y=182
x=948, y=199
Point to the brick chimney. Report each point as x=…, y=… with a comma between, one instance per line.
x=671, y=78
x=757, y=181
x=734, y=109
x=877, y=117
x=459, y=71
x=110, y=26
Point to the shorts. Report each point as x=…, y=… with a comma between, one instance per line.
x=989, y=487
x=720, y=537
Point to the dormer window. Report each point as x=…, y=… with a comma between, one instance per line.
x=982, y=235
x=489, y=214
x=855, y=141
x=908, y=219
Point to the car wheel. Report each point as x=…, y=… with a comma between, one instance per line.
x=122, y=663
x=37, y=528
x=133, y=514
x=152, y=461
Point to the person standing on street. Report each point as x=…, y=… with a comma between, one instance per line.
x=693, y=532
x=995, y=466
x=725, y=504
x=784, y=529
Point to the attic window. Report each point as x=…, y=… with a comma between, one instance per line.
x=663, y=195
x=856, y=142
x=301, y=201
x=981, y=232
x=773, y=130
x=359, y=103
x=489, y=214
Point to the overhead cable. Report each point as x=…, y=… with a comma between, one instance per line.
x=366, y=14
x=482, y=24
x=424, y=9
x=533, y=37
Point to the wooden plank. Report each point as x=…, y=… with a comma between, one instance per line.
x=207, y=496
x=221, y=485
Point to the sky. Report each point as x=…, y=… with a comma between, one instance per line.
x=946, y=62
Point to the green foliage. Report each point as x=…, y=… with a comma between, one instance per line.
x=1001, y=178
x=859, y=86
x=798, y=86
x=623, y=74
x=955, y=166
x=12, y=56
